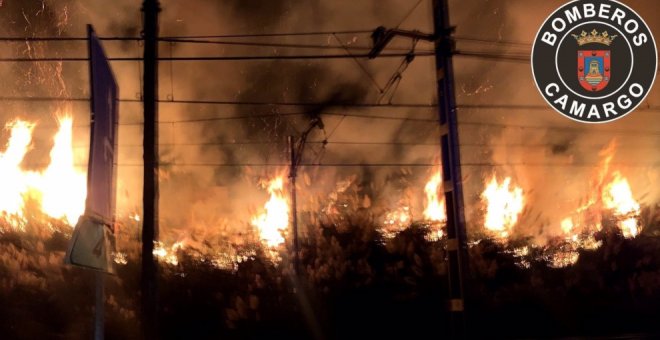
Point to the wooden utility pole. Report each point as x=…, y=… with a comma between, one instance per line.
x=150, y=9
x=451, y=167
x=296, y=149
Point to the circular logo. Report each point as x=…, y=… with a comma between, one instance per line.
x=594, y=61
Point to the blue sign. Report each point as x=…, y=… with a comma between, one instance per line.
x=92, y=243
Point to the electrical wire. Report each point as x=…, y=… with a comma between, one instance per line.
x=483, y=164
x=282, y=45
x=226, y=58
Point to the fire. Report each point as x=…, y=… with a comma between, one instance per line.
x=60, y=190
x=567, y=225
x=398, y=217
x=504, y=206
x=396, y=221
x=435, y=205
x=274, y=222
x=167, y=254
x=13, y=180
x=618, y=196
x=63, y=188
x=610, y=190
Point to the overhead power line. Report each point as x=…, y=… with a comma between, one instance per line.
x=270, y=44
x=274, y=103
x=337, y=165
x=482, y=55
x=264, y=35
x=283, y=34
x=275, y=115
x=219, y=165
x=483, y=164
x=422, y=120
x=637, y=146
x=226, y=102
x=493, y=42
x=118, y=38
x=567, y=165
x=302, y=104
x=559, y=128
x=226, y=58
x=495, y=56
x=261, y=142
x=55, y=39
x=196, y=38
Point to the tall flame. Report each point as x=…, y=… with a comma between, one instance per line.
x=63, y=188
x=611, y=191
x=504, y=206
x=60, y=190
x=13, y=180
x=435, y=205
x=618, y=196
x=274, y=222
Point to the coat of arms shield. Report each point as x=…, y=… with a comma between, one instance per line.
x=594, y=69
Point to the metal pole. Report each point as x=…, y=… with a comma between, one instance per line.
x=294, y=205
x=99, y=330
x=451, y=168
x=150, y=9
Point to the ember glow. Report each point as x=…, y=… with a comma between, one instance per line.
x=504, y=204
x=167, y=254
x=567, y=225
x=60, y=190
x=396, y=221
x=273, y=223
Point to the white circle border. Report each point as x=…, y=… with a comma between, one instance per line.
x=585, y=121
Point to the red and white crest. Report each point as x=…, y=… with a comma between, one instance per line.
x=594, y=69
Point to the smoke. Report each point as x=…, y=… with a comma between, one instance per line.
x=255, y=139
x=552, y=158
x=211, y=167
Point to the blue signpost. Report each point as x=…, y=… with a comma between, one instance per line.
x=92, y=243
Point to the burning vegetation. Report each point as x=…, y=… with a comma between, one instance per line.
x=273, y=223
x=352, y=247
x=503, y=206
x=373, y=247
x=57, y=192
x=352, y=243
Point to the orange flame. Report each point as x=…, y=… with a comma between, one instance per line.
x=618, y=196
x=435, y=205
x=13, y=180
x=503, y=206
x=567, y=225
x=396, y=221
x=274, y=222
x=615, y=195
x=167, y=254
x=63, y=188
x=60, y=190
